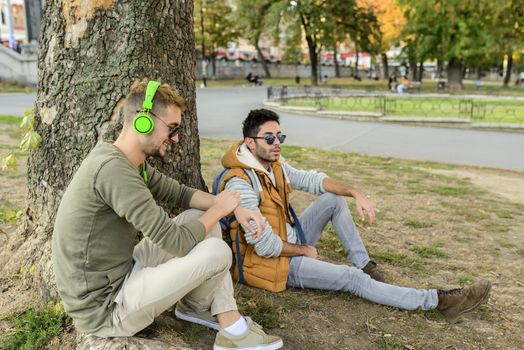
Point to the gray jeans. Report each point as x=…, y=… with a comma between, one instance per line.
x=315, y=274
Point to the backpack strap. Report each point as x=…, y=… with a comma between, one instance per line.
x=300, y=231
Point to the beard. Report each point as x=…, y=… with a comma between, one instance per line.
x=267, y=155
x=158, y=152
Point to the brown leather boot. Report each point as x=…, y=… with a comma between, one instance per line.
x=372, y=270
x=454, y=302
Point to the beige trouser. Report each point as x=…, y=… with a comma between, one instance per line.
x=158, y=280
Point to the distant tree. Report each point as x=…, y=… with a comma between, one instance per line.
x=391, y=21
x=508, y=26
x=219, y=26
x=252, y=17
x=460, y=32
x=364, y=31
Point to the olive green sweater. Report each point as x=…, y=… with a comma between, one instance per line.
x=102, y=210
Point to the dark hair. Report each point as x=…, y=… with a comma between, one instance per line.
x=255, y=118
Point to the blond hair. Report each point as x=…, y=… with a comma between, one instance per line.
x=165, y=96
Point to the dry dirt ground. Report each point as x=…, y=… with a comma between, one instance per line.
x=438, y=226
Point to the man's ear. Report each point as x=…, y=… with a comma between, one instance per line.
x=250, y=143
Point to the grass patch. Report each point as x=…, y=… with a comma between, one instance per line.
x=414, y=223
x=34, y=328
x=465, y=279
x=193, y=332
x=520, y=252
x=504, y=214
x=506, y=244
x=429, y=252
x=13, y=87
x=433, y=315
x=399, y=259
x=387, y=341
x=261, y=311
x=451, y=191
x=330, y=245
x=9, y=119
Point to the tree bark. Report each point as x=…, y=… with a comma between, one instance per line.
x=335, y=61
x=413, y=68
x=264, y=63
x=509, y=67
x=313, y=55
x=420, y=70
x=356, y=62
x=385, y=70
x=455, y=74
x=89, y=56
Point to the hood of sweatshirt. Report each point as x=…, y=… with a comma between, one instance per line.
x=239, y=156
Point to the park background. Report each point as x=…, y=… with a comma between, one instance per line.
x=439, y=224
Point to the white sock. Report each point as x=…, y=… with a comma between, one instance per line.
x=237, y=328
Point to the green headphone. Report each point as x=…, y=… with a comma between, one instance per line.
x=143, y=122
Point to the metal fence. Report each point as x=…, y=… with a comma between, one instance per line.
x=469, y=108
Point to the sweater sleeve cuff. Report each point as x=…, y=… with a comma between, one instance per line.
x=321, y=187
x=197, y=229
x=189, y=193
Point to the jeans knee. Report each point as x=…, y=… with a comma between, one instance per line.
x=334, y=199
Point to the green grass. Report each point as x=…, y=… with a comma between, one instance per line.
x=34, y=328
x=414, y=223
x=451, y=191
x=520, y=252
x=504, y=214
x=387, y=341
x=193, y=332
x=496, y=111
x=330, y=244
x=429, y=252
x=12, y=87
x=399, y=259
x=9, y=119
x=465, y=279
x=261, y=310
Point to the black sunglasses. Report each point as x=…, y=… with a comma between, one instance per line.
x=270, y=139
x=172, y=131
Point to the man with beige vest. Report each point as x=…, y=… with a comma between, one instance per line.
x=284, y=255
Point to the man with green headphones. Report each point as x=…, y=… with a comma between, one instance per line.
x=110, y=285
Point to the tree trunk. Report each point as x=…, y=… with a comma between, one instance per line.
x=385, y=70
x=413, y=68
x=313, y=58
x=89, y=56
x=335, y=60
x=264, y=63
x=509, y=67
x=420, y=70
x=213, y=65
x=356, y=62
x=455, y=73
x=312, y=47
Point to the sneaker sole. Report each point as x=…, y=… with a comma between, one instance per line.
x=473, y=307
x=273, y=346
x=188, y=318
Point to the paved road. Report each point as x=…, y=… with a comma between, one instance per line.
x=221, y=112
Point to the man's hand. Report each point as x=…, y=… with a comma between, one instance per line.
x=309, y=251
x=227, y=201
x=245, y=216
x=364, y=206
